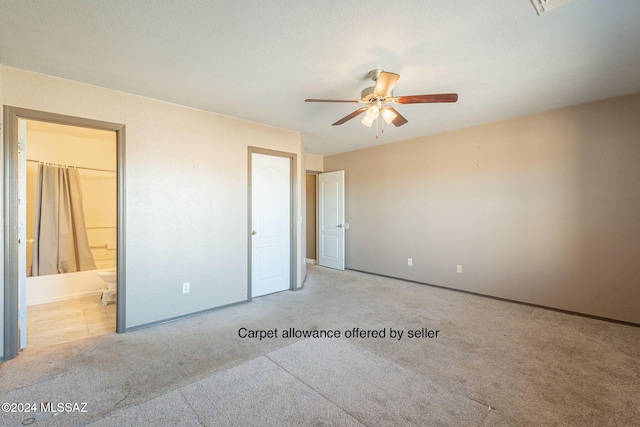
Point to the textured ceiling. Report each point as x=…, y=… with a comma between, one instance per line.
x=259, y=60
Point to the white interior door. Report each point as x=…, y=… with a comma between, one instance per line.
x=271, y=224
x=22, y=231
x=331, y=223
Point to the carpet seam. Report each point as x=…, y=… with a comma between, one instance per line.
x=315, y=390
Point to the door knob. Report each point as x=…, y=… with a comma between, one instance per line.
x=253, y=232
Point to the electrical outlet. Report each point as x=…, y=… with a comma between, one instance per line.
x=459, y=268
x=410, y=262
x=186, y=287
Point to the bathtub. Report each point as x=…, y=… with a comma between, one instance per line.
x=60, y=287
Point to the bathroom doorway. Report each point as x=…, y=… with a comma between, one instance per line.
x=68, y=262
x=67, y=292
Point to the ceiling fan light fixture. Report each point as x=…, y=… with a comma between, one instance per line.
x=367, y=121
x=373, y=112
x=388, y=115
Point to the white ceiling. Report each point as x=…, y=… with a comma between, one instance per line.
x=259, y=59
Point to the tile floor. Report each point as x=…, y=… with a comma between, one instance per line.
x=70, y=320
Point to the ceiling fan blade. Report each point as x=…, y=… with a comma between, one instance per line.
x=330, y=100
x=399, y=120
x=350, y=116
x=385, y=83
x=421, y=99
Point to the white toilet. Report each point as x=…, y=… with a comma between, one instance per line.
x=109, y=294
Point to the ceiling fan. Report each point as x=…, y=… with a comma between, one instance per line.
x=379, y=100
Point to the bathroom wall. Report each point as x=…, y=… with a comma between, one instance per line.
x=186, y=192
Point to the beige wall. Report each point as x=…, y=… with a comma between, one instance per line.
x=186, y=192
x=543, y=209
x=314, y=162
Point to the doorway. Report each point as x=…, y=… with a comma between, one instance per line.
x=67, y=280
x=312, y=208
x=104, y=237
x=271, y=229
x=326, y=219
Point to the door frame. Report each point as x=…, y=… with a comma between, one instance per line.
x=10, y=222
x=293, y=237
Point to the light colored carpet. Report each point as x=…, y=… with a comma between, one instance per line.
x=493, y=363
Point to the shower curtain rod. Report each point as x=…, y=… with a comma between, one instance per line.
x=67, y=166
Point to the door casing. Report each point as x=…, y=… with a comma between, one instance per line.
x=10, y=203
x=293, y=202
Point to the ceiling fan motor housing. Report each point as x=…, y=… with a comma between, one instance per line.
x=368, y=95
x=375, y=73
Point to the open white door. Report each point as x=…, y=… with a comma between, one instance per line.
x=271, y=224
x=22, y=231
x=331, y=223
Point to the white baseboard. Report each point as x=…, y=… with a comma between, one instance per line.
x=310, y=261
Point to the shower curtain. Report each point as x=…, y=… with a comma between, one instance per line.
x=60, y=240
